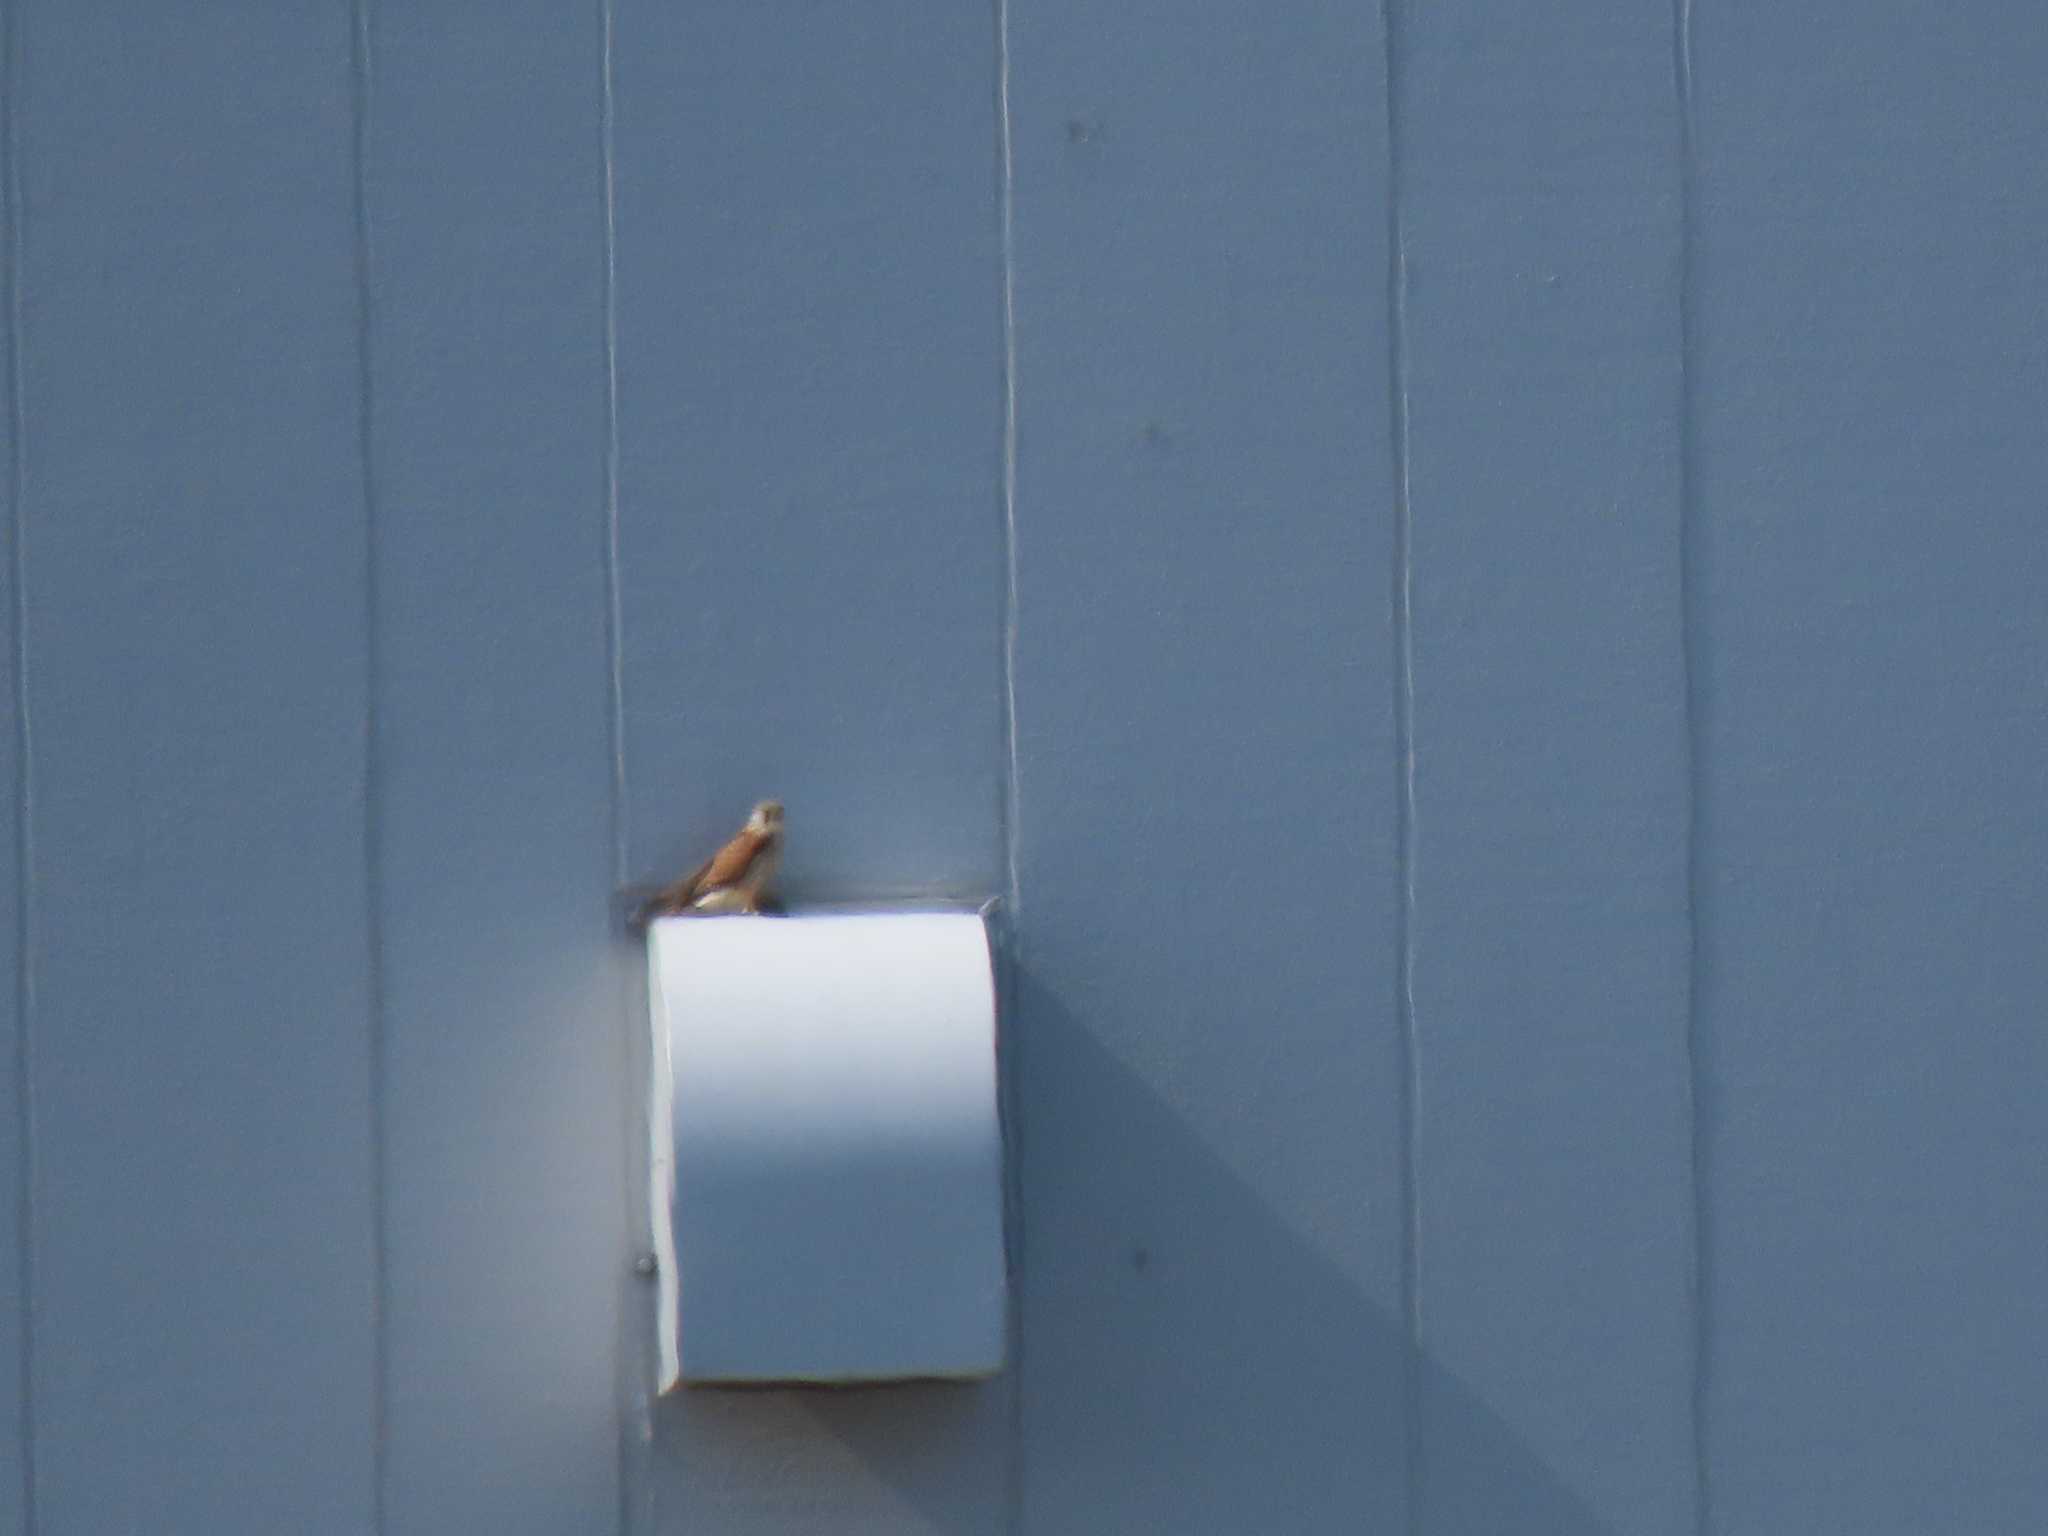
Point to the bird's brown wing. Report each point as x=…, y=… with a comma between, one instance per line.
x=725, y=867
x=730, y=863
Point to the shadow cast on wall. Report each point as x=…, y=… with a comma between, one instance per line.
x=1194, y=1365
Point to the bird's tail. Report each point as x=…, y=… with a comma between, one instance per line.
x=636, y=907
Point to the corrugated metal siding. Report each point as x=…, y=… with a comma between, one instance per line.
x=1475, y=578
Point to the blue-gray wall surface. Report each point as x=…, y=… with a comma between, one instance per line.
x=1476, y=575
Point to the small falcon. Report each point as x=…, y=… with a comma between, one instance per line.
x=734, y=879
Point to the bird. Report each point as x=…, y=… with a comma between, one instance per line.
x=734, y=879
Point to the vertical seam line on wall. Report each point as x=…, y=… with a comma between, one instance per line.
x=614, y=602
x=633, y=1421
x=1404, y=795
x=1006, y=209
x=373, y=876
x=24, y=802
x=1690, y=660
x=1006, y=193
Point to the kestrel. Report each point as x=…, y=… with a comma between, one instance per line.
x=734, y=879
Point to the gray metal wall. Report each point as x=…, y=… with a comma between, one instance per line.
x=1474, y=572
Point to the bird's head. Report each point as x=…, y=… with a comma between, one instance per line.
x=766, y=817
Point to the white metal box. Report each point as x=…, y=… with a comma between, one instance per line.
x=827, y=1154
